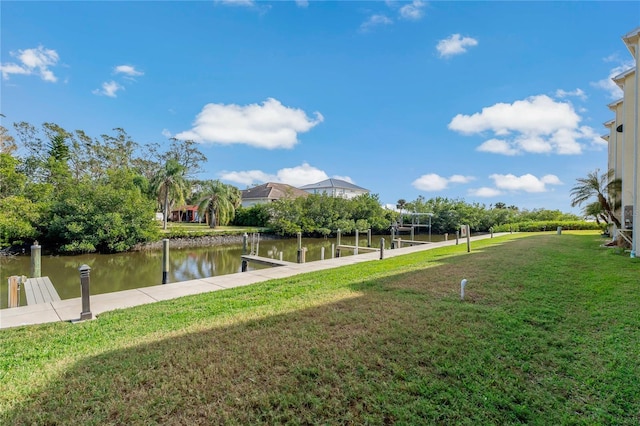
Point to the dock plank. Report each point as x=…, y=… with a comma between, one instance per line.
x=266, y=260
x=40, y=290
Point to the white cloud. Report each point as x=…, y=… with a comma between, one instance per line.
x=374, y=21
x=109, y=88
x=297, y=176
x=526, y=183
x=578, y=93
x=302, y=3
x=432, y=182
x=270, y=125
x=301, y=175
x=455, y=45
x=461, y=179
x=127, y=70
x=32, y=62
x=485, y=192
x=537, y=125
x=166, y=133
x=248, y=177
x=497, y=146
x=413, y=11
x=608, y=84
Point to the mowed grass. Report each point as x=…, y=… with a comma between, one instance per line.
x=549, y=333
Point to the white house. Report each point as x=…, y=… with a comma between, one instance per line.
x=335, y=188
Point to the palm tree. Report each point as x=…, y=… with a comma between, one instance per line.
x=219, y=201
x=604, y=187
x=595, y=210
x=170, y=185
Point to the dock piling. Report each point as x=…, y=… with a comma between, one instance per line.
x=36, y=263
x=14, y=292
x=369, y=237
x=381, y=248
x=300, y=255
x=355, y=250
x=165, y=261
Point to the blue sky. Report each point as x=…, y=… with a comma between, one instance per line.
x=485, y=101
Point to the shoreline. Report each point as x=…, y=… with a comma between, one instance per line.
x=200, y=241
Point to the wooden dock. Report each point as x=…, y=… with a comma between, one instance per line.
x=360, y=248
x=40, y=290
x=266, y=260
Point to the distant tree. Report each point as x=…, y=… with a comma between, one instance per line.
x=217, y=202
x=602, y=186
x=595, y=210
x=187, y=154
x=7, y=142
x=170, y=185
x=500, y=205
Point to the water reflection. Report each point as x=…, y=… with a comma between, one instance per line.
x=126, y=271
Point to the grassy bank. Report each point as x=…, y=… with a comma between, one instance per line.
x=549, y=334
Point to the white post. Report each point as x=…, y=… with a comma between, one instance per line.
x=321, y=253
x=462, y=284
x=355, y=250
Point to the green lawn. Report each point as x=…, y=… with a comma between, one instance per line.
x=549, y=333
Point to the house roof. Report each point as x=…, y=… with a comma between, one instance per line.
x=272, y=190
x=334, y=183
x=631, y=40
x=619, y=79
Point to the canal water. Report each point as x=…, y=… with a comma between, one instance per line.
x=124, y=271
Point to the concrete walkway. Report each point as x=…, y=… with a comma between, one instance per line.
x=69, y=309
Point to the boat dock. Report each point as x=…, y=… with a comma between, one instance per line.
x=40, y=290
x=70, y=309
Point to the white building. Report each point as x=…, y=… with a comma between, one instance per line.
x=335, y=188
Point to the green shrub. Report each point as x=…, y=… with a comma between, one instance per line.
x=548, y=225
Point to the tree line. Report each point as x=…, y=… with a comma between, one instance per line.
x=79, y=193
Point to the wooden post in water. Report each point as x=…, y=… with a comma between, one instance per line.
x=244, y=265
x=321, y=253
x=446, y=236
x=355, y=250
x=413, y=233
x=468, y=239
x=36, y=265
x=399, y=242
x=14, y=292
x=300, y=256
x=84, y=291
x=281, y=255
x=369, y=237
x=245, y=237
x=333, y=250
x=257, y=243
x=165, y=261
x=381, y=248
x=304, y=255
x=338, y=237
